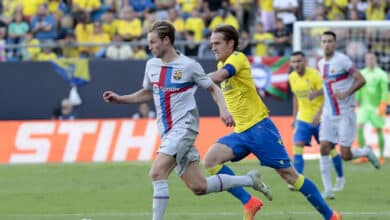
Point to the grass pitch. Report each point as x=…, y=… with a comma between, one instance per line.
x=119, y=191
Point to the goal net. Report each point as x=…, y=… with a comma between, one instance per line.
x=354, y=38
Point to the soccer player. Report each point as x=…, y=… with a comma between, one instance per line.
x=307, y=114
x=371, y=100
x=171, y=80
x=338, y=121
x=254, y=132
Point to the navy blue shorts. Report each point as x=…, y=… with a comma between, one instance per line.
x=304, y=131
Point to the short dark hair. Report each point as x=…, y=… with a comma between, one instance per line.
x=229, y=33
x=296, y=53
x=330, y=33
x=163, y=29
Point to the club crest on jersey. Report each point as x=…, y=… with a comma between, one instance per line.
x=177, y=75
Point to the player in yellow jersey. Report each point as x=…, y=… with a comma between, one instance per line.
x=305, y=81
x=254, y=131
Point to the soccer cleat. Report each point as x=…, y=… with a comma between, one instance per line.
x=336, y=216
x=252, y=207
x=373, y=159
x=328, y=195
x=360, y=160
x=381, y=160
x=340, y=183
x=259, y=185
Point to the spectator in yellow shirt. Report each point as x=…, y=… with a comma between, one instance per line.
x=129, y=26
x=30, y=53
x=30, y=7
x=224, y=17
x=262, y=39
x=196, y=24
x=47, y=53
x=83, y=31
x=98, y=37
x=86, y=5
x=177, y=22
x=336, y=8
x=267, y=14
x=108, y=19
x=376, y=10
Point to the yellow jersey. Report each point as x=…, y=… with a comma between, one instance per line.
x=301, y=86
x=240, y=93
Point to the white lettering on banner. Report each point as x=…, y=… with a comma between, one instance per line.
x=126, y=141
x=76, y=130
x=40, y=146
x=104, y=141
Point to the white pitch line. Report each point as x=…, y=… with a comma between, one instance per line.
x=113, y=214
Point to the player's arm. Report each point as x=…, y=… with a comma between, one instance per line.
x=142, y=95
x=358, y=83
x=384, y=95
x=219, y=75
x=225, y=115
x=295, y=110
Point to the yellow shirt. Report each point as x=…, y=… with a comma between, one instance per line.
x=30, y=7
x=46, y=56
x=140, y=55
x=179, y=25
x=9, y=7
x=134, y=27
x=110, y=29
x=88, y=4
x=99, y=38
x=83, y=33
x=301, y=86
x=261, y=48
x=334, y=9
x=196, y=25
x=32, y=51
x=240, y=93
x=266, y=5
x=218, y=20
x=188, y=6
x=376, y=13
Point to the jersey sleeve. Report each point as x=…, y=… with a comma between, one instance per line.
x=348, y=65
x=147, y=82
x=232, y=64
x=317, y=80
x=199, y=76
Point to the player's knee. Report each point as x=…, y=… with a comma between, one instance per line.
x=154, y=175
x=198, y=187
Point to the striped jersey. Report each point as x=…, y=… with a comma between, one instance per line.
x=337, y=77
x=174, y=85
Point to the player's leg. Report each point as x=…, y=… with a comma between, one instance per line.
x=303, y=132
x=161, y=168
x=272, y=153
x=347, y=137
x=214, y=161
x=338, y=166
x=379, y=122
x=362, y=117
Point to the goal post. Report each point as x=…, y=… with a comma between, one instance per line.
x=354, y=38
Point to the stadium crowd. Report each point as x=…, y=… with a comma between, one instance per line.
x=99, y=28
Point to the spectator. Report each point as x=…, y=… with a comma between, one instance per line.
x=47, y=53
x=144, y=111
x=286, y=10
x=119, y=51
x=204, y=50
x=141, y=7
x=129, y=26
x=65, y=111
x=187, y=6
x=66, y=26
x=177, y=22
x=282, y=39
x=162, y=7
x=245, y=45
x=262, y=40
x=16, y=31
x=68, y=48
x=139, y=53
x=360, y=6
x=376, y=10
x=335, y=8
x=9, y=8
x=87, y=6
x=98, y=37
x=55, y=6
x=43, y=25
x=319, y=13
x=191, y=48
x=30, y=47
x=83, y=31
x=224, y=17
x=196, y=24
x=150, y=18
x=108, y=20
x=267, y=14
x=30, y=8
x=308, y=6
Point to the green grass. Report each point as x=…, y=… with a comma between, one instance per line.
x=119, y=191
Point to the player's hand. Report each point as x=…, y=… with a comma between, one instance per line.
x=111, y=97
x=227, y=118
x=341, y=95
